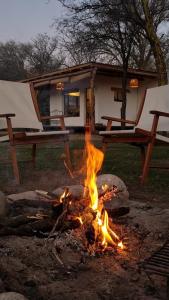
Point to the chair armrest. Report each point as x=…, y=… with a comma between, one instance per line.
x=118, y=120
x=7, y=115
x=43, y=118
x=111, y=119
x=9, y=125
x=159, y=113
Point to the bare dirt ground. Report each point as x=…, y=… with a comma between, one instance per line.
x=28, y=266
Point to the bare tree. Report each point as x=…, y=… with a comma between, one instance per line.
x=165, y=44
x=77, y=47
x=13, y=60
x=149, y=15
x=141, y=56
x=43, y=55
x=104, y=30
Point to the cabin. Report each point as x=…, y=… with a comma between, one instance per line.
x=86, y=92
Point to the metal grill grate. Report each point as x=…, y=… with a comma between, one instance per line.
x=158, y=263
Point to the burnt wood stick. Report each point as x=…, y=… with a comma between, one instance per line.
x=60, y=220
x=31, y=229
x=17, y=221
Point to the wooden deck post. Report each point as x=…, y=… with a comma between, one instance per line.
x=15, y=163
x=33, y=154
x=90, y=102
x=149, y=150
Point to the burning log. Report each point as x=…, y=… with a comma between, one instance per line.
x=54, y=215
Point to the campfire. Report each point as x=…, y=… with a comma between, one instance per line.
x=89, y=214
x=87, y=220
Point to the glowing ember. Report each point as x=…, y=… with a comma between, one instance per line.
x=105, y=187
x=80, y=220
x=120, y=245
x=64, y=195
x=103, y=233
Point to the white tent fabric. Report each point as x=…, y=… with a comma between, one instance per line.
x=15, y=97
x=108, y=132
x=157, y=98
x=59, y=132
x=4, y=138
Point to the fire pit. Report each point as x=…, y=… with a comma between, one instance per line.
x=67, y=247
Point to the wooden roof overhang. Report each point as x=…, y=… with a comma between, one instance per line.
x=88, y=70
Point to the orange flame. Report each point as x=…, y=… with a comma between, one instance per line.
x=101, y=226
x=94, y=163
x=105, y=231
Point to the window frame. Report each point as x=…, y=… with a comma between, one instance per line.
x=68, y=98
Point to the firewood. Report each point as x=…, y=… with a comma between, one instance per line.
x=22, y=204
x=31, y=229
x=62, y=217
x=17, y=221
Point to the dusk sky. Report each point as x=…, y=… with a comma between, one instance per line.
x=22, y=20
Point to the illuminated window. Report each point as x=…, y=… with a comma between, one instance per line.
x=72, y=103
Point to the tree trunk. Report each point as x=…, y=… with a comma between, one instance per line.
x=155, y=45
x=159, y=61
x=91, y=102
x=124, y=98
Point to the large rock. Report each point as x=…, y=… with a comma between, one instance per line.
x=75, y=190
x=113, y=180
x=12, y=296
x=3, y=205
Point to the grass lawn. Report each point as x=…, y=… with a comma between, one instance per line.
x=120, y=159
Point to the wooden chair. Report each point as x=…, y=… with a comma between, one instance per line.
x=148, y=131
x=20, y=117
